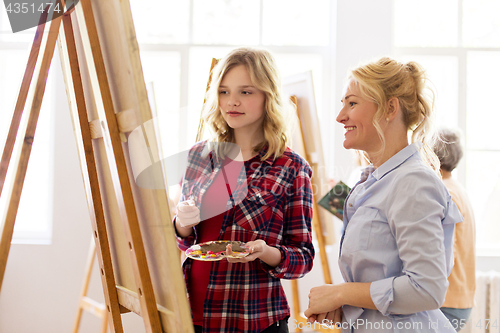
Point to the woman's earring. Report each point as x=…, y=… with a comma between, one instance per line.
x=387, y=119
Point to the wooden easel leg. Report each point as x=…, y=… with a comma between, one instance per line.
x=86, y=282
x=86, y=303
x=316, y=223
x=105, y=322
x=318, y=229
x=201, y=124
x=21, y=99
x=296, y=302
x=24, y=150
x=321, y=244
x=324, y=264
x=69, y=59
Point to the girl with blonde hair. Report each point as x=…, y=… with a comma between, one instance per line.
x=396, y=250
x=260, y=195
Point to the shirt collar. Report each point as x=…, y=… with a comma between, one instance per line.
x=397, y=160
x=262, y=152
x=366, y=172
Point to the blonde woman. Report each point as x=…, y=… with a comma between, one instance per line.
x=396, y=250
x=263, y=197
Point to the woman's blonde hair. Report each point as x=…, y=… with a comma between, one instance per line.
x=264, y=74
x=386, y=78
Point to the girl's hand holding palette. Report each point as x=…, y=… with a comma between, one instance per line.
x=216, y=250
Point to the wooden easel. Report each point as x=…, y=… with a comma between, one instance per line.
x=86, y=303
x=144, y=277
x=201, y=124
x=39, y=73
x=318, y=229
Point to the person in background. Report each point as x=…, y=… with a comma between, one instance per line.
x=245, y=108
x=396, y=250
x=459, y=299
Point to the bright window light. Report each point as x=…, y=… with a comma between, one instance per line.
x=466, y=83
x=34, y=218
x=481, y=27
x=417, y=23
x=296, y=22
x=232, y=22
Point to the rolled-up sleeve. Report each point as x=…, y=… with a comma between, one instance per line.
x=297, y=250
x=422, y=223
x=382, y=293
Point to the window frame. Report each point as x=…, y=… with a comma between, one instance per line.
x=461, y=53
x=327, y=53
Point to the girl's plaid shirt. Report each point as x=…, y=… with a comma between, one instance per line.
x=272, y=202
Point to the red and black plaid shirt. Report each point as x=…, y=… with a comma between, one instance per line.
x=272, y=201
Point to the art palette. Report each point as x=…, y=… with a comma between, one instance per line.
x=216, y=250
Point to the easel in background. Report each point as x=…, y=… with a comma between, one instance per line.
x=317, y=227
x=123, y=215
x=201, y=124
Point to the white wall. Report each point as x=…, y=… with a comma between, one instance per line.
x=364, y=32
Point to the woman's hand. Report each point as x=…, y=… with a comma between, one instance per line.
x=331, y=297
x=258, y=249
x=323, y=301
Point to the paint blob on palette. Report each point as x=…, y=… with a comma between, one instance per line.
x=216, y=250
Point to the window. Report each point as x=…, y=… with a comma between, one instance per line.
x=178, y=44
x=457, y=42
x=34, y=217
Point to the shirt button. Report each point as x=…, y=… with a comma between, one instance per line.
x=350, y=205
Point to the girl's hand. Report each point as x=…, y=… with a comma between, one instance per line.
x=188, y=215
x=257, y=249
x=332, y=318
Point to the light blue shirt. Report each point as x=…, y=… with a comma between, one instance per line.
x=399, y=222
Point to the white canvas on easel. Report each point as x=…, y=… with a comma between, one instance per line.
x=301, y=86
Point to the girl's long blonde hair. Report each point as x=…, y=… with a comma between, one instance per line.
x=264, y=74
x=386, y=78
